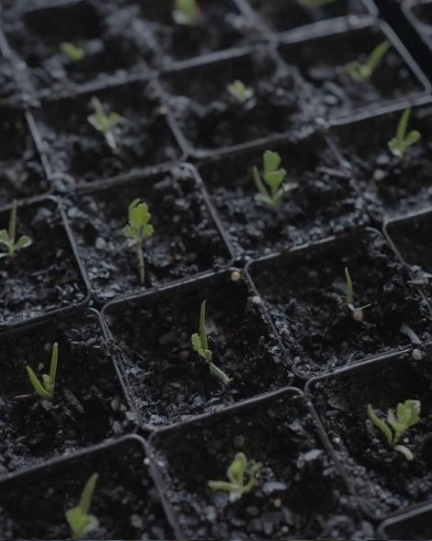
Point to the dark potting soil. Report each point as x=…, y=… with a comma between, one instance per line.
x=88, y=406
x=8, y=87
x=390, y=185
x=298, y=493
x=221, y=26
x=385, y=480
x=211, y=118
x=186, y=240
x=326, y=201
x=323, y=65
x=416, y=527
x=283, y=15
x=114, y=41
x=169, y=382
x=21, y=172
x=305, y=294
x=125, y=501
x=76, y=148
x=423, y=12
x=43, y=277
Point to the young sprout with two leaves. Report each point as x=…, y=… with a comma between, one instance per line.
x=361, y=73
x=45, y=388
x=357, y=312
x=187, y=12
x=240, y=92
x=104, y=123
x=79, y=519
x=407, y=415
x=8, y=240
x=403, y=140
x=236, y=473
x=72, y=52
x=270, y=184
x=137, y=230
x=201, y=346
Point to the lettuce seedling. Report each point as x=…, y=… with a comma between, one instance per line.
x=187, y=12
x=403, y=140
x=357, y=312
x=72, y=52
x=80, y=521
x=45, y=388
x=240, y=92
x=311, y=4
x=104, y=123
x=237, y=486
x=363, y=72
x=201, y=346
x=270, y=184
x=8, y=238
x=407, y=415
x=137, y=230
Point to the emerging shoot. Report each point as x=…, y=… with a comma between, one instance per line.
x=357, y=312
x=8, y=239
x=403, y=140
x=137, y=230
x=201, y=346
x=187, y=12
x=45, y=388
x=104, y=123
x=270, y=184
x=361, y=73
x=237, y=486
x=311, y=4
x=240, y=92
x=407, y=415
x=80, y=521
x=72, y=52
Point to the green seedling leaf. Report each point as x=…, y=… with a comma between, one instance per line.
x=72, y=52
x=363, y=72
x=240, y=92
x=403, y=140
x=357, y=312
x=80, y=521
x=104, y=123
x=45, y=388
x=8, y=239
x=187, y=12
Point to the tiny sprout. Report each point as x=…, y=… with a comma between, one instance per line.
x=72, y=52
x=104, y=123
x=45, y=388
x=403, y=140
x=240, y=92
x=8, y=238
x=80, y=521
x=363, y=72
x=137, y=230
x=356, y=312
x=201, y=346
x=407, y=415
x=236, y=485
x=187, y=12
x=274, y=178
x=314, y=3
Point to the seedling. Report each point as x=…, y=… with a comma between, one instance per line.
x=45, y=388
x=314, y=3
x=357, y=312
x=72, y=52
x=407, y=415
x=8, y=238
x=201, y=346
x=104, y=123
x=270, y=184
x=403, y=140
x=80, y=521
x=240, y=92
x=187, y=12
x=137, y=230
x=363, y=72
x=236, y=486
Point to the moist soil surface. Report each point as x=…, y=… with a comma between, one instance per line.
x=125, y=501
x=383, y=478
x=43, y=277
x=88, y=406
x=186, y=240
x=169, y=382
x=256, y=228
x=298, y=493
x=305, y=293
x=78, y=150
x=416, y=528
